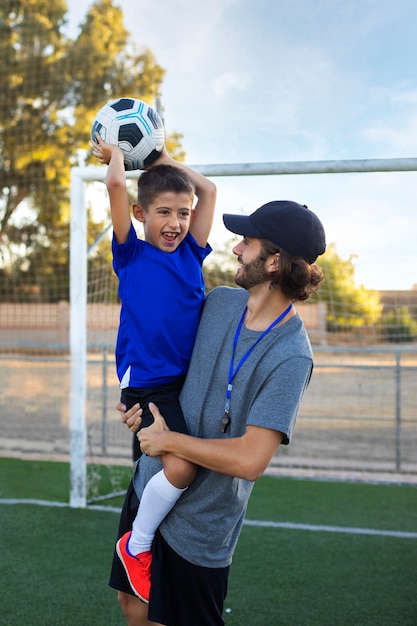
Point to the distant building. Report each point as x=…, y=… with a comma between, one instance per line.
x=393, y=299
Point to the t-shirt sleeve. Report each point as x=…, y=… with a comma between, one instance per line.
x=277, y=405
x=123, y=253
x=200, y=252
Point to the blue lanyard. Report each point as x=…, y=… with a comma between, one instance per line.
x=233, y=371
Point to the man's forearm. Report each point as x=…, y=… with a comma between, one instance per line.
x=245, y=457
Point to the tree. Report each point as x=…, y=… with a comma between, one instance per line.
x=398, y=326
x=348, y=305
x=220, y=267
x=50, y=89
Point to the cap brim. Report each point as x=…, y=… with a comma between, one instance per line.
x=241, y=225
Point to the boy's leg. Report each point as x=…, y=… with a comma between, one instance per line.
x=163, y=490
x=160, y=494
x=134, y=548
x=166, y=398
x=136, y=451
x=178, y=472
x=158, y=498
x=129, y=397
x=134, y=610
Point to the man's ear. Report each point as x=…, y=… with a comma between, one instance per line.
x=138, y=212
x=272, y=262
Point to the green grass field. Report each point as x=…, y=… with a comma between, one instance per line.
x=55, y=560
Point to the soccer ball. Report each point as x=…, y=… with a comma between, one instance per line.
x=135, y=127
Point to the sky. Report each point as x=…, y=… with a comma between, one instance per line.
x=259, y=81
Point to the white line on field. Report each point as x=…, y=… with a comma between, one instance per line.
x=289, y=525
x=333, y=529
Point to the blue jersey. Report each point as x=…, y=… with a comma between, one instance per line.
x=162, y=294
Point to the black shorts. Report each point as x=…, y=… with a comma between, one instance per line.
x=182, y=594
x=166, y=398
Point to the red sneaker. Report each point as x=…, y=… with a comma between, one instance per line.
x=137, y=567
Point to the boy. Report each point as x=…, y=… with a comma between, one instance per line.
x=162, y=290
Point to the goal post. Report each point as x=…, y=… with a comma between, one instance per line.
x=78, y=278
x=78, y=329
x=78, y=340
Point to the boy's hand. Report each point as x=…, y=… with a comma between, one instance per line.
x=102, y=150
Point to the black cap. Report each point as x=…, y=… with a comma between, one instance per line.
x=289, y=225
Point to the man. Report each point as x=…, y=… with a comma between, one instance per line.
x=251, y=364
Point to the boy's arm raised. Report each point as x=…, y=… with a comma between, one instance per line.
x=116, y=187
x=206, y=192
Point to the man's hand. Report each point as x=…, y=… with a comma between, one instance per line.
x=132, y=418
x=151, y=438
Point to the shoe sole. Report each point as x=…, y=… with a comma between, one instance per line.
x=128, y=577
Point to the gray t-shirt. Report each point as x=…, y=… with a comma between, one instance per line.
x=205, y=523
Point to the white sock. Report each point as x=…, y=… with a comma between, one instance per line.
x=158, y=498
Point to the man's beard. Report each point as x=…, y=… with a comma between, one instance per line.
x=252, y=274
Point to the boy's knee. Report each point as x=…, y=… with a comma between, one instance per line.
x=179, y=472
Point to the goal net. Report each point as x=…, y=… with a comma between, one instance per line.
x=363, y=387
x=359, y=415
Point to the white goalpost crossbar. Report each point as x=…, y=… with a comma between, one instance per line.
x=78, y=277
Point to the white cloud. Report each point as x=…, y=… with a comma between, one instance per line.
x=230, y=81
x=401, y=136
x=404, y=97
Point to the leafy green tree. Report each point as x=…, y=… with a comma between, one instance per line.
x=348, y=305
x=398, y=326
x=220, y=267
x=51, y=86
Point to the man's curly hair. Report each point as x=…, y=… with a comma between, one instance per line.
x=297, y=279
